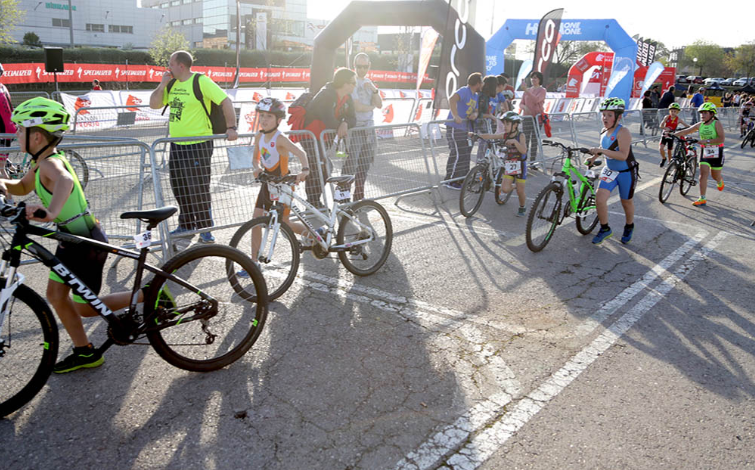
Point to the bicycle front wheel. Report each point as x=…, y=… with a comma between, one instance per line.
x=278, y=252
x=544, y=217
x=502, y=198
x=752, y=138
x=198, y=334
x=29, y=347
x=79, y=166
x=587, y=212
x=668, y=181
x=473, y=190
x=689, y=175
x=365, y=259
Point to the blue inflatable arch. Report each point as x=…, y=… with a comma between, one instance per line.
x=609, y=31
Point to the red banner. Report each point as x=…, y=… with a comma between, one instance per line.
x=85, y=73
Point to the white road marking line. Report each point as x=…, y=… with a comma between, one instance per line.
x=610, y=307
x=482, y=446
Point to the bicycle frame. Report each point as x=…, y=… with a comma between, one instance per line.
x=11, y=260
x=569, y=171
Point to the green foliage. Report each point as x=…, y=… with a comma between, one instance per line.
x=166, y=42
x=86, y=55
x=742, y=60
x=10, y=16
x=710, y=58
x=31, y=39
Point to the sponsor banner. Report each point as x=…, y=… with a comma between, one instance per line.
x=547, y=41
x=83, y=73
x=248, y=119
x=85, y=119
x=429, y=38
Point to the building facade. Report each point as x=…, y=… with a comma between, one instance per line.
x=97, y=23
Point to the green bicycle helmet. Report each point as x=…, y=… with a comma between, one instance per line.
x=675, y=106
x=613, y=104
x=43, y=113
x=511, y=116
x=707, y=107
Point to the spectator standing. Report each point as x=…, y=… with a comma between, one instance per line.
x=189, y=164
x=655, y=96
x=488, y=107
x=6, y=124
x=362, y=143
x=505, y=95
x=508, y=83
x=331, y=108
x=96, y=85
x=532, y=104
x=463, y=111
x=697, y=100
x=647, y=112
x=667, y=98
x=726, y=100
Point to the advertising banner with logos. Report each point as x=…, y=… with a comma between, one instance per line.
x=85, y=73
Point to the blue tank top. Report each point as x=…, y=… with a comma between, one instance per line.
x=605, y=142
x=465, y=107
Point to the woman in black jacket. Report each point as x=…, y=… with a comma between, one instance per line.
x=331, y=108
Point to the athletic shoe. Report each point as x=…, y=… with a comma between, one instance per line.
x=521, y=212
x=663, y=162
x=454, y=186
x=602, y=235
x=206, y=237
x=700, y=202
x=85, y=357
x=720, y=185
x=245, y=275
x=180, y=231
x=627, y=236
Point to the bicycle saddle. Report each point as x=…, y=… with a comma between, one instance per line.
x=154, y=216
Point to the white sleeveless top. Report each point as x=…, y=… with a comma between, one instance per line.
x=270, y=158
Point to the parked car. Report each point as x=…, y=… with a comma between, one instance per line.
x=744, y=81
x=712, y=80
x=695, y=79
x=681, y=79
x=728, y=81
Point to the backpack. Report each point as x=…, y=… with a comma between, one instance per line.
x=216, y=116
x=298, y=113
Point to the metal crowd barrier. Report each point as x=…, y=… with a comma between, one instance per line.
x=135, y=122
x=18, y=97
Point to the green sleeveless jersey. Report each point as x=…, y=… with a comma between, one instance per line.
x=708, y=131
x=75, y=217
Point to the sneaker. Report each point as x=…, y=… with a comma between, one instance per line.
x=454, y=186
x=244, y=274
x=521, y=212
x=85, y=357
x=720, y=185
x=663, y=162
x=180, y=231
x=627, y=236
x=700, y=202
x=206, y=237
x=603, y=234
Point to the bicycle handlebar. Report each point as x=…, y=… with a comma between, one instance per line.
x=268, y=178
x=552, y=143
x=18, y=212
x=688, y=140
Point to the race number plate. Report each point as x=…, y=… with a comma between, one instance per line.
x=513, y=167
x=343, y=194
x=608, y=175
x=710, y=152
x=143, y=239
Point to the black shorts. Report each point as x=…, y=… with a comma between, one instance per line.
x=716, y=163
x=83, y=261
x=264, y=202
x=668, y=142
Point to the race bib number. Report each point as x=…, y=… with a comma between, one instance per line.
x=342, y=194
x=513, y=167
x=710, y=152
x=143, y=239
x=608, y=175
x=275, y=192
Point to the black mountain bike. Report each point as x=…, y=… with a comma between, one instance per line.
x=193, y=315
x=682, y=168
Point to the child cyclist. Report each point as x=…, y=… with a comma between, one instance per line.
x=515, y=142
x=712, y=138
x=669, y=124
x=271, y=153
x=41, y=124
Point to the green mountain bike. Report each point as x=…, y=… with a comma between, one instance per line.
x=548, y=211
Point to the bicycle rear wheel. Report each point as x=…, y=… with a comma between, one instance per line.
x=752, y=138
x=586, y=222
x=688, y=176
x=473, y=190
x=278, y=253
x=544, y=217
x=194, y=333
x=668, y=181
x=28, y=349
x=500, y=197
x=746, y=139
x=79, y=166
x=365, y=259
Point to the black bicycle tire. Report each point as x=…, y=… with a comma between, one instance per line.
x=469, y=180
x=691, y=163
x=672, y=167
x=295, y=255
x=72, y=155
x=501, y=201
x=341, y=235
x=745, y=140
x=256, y=326
x=49, y=328
x=552, y=187
x=752, y=138
x=585, y=201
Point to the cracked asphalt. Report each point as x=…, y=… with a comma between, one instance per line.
x=465, y=350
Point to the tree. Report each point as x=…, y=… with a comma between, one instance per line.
x=31, y=39
x=742, y=60
x=710, y=57
x=10, y=16
x=166, y=42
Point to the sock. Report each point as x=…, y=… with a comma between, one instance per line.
x=629, y=225
x=604, y=228
x=83, y=349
